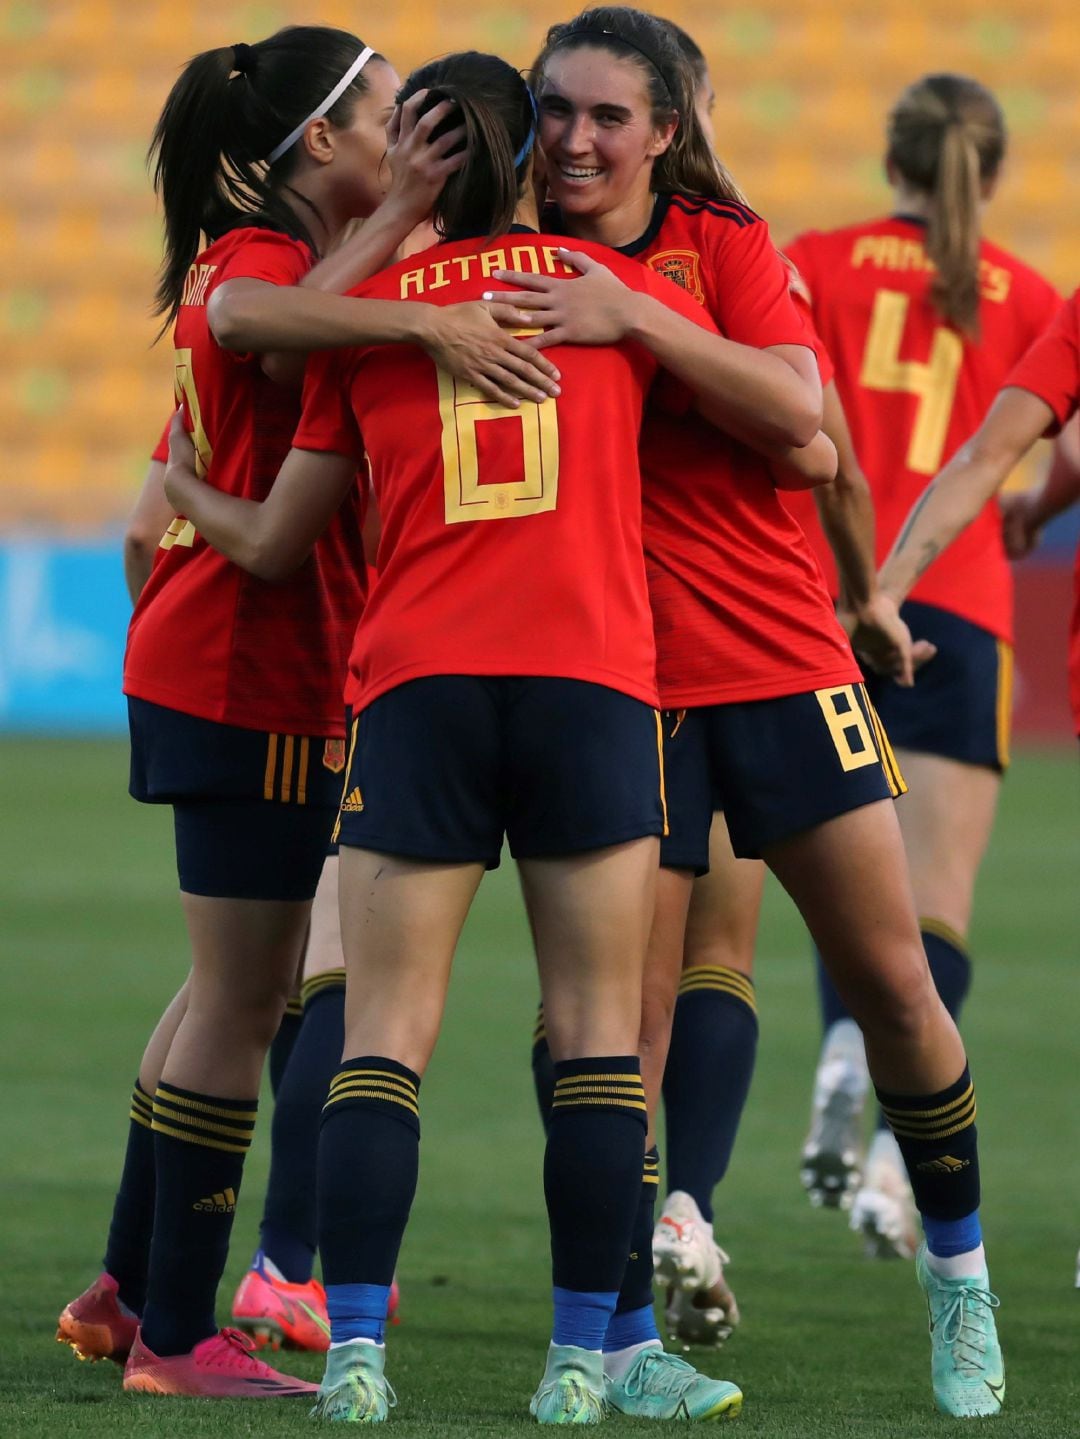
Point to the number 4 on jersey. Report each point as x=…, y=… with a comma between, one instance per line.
x=933, y=380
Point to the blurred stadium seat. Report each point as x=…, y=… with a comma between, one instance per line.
x=802, y=91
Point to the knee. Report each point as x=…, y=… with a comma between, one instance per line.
x=899, y=1007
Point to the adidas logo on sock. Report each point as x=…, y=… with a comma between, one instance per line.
x=945, y=1165
x=353, y=802
x=224, y=1203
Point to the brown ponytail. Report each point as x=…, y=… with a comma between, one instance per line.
x=688, y=165
x=946, y=136
x=493, y=102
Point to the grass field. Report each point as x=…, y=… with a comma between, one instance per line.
x=830, y=1344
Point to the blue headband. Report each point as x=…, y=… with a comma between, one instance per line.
x=530, y=139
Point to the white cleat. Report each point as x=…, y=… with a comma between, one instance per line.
x=703, y=1320
x=883, y=1211
x=685, y=1255
x=830, y=1170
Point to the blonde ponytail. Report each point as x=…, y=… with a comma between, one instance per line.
x=947, y=138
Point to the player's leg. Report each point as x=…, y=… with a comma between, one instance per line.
x=592, y=914
x=951, y=736
x=278, y=1301
x=101, y=1323
x=706, y=1082
x=421, y=756
x=248, y=870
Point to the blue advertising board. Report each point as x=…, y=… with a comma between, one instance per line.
x=63, y=621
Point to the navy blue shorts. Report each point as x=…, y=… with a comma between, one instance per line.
x=960, y=706
x=775, y=767
x=442, y=767
x=253, y=811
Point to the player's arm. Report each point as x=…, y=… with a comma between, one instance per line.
x=768, y=395
x=1026, y=514
x=1016, y=419
x=149, y=520
x=812, y=466
x=269, y=538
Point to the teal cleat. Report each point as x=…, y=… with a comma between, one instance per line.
x=354, y=1389
x=659, y=1385
x=965, y=1356
x=572, y=1389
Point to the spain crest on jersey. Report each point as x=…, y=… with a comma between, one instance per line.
x=333, y=756
x=682, y=266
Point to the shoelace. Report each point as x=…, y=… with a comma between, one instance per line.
x=223, y=1355
x=663, y=1373
x=962, y=1324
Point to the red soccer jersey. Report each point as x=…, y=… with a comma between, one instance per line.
x=1051, y=370
x=511, y=540
x=914, y=389
x=161, y=449
x=740, y=608
x=206, y=638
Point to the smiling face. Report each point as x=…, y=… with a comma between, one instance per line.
x=599, y=141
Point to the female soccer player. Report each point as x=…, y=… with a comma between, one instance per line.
x=747, y=644
x=1039, y=396
x=923, y=319
x=234, y=686
x=502, y=683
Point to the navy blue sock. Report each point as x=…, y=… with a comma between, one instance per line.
x=636, y=1291
x=937, y=1136
x=200, y=1142
x=592, y=1182
x=543, y=1069
x=950, y=963
x=281, y=1046
x=127, y=1253
x=369, y=1154
x=289, y=1230
x=709, y=1068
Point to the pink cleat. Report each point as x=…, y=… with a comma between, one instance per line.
x=221, y=1367
x=96, y=1325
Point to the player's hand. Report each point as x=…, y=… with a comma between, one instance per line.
x=181, y=468
x=882, y=640
x=469, y=342
x=419, y=165
x=1020, y=528
x=597, y=309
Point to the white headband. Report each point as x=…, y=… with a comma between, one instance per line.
x=320, y=110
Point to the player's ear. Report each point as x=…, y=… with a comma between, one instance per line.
x=663, y=135
x=317, y=141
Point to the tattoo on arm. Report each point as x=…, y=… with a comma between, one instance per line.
x=910, y=523
x=927, y=555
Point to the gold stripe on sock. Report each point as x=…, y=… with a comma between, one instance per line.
x=169, y=1096
x=370, y=1091
x=160, y=1128
x=196, y=1126
x=329, y=979
x=384, y=1076
x=944, y=931
x=294, y=1008
x=943, y=1109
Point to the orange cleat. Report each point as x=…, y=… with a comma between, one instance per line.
x=280, y=1315
x=96, y=1325
x=221, y=1367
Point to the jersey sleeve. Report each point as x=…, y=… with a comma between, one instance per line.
x=277, y=259
x=749, y=290
x=1051, y=368
x=327, y=421
x=161, y=449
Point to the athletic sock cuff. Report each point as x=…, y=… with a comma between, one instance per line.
x=294, y=1008
x=718, y=980
x=372, y=1082
x=940, y=930
x=650, y=1176
x=611, y=1083
x=539, y=1028
x=320, y=984
x=931, y=1117
x=204, y=1119
x=142, y=1107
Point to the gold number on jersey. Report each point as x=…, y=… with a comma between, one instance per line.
x=933, y=381
x=184, y=383
x=463, y=410
x=847, y=724
x=181, y=531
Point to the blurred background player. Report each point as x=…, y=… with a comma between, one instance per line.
x=923, y=319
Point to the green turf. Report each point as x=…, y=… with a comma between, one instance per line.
x=830, y=1345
